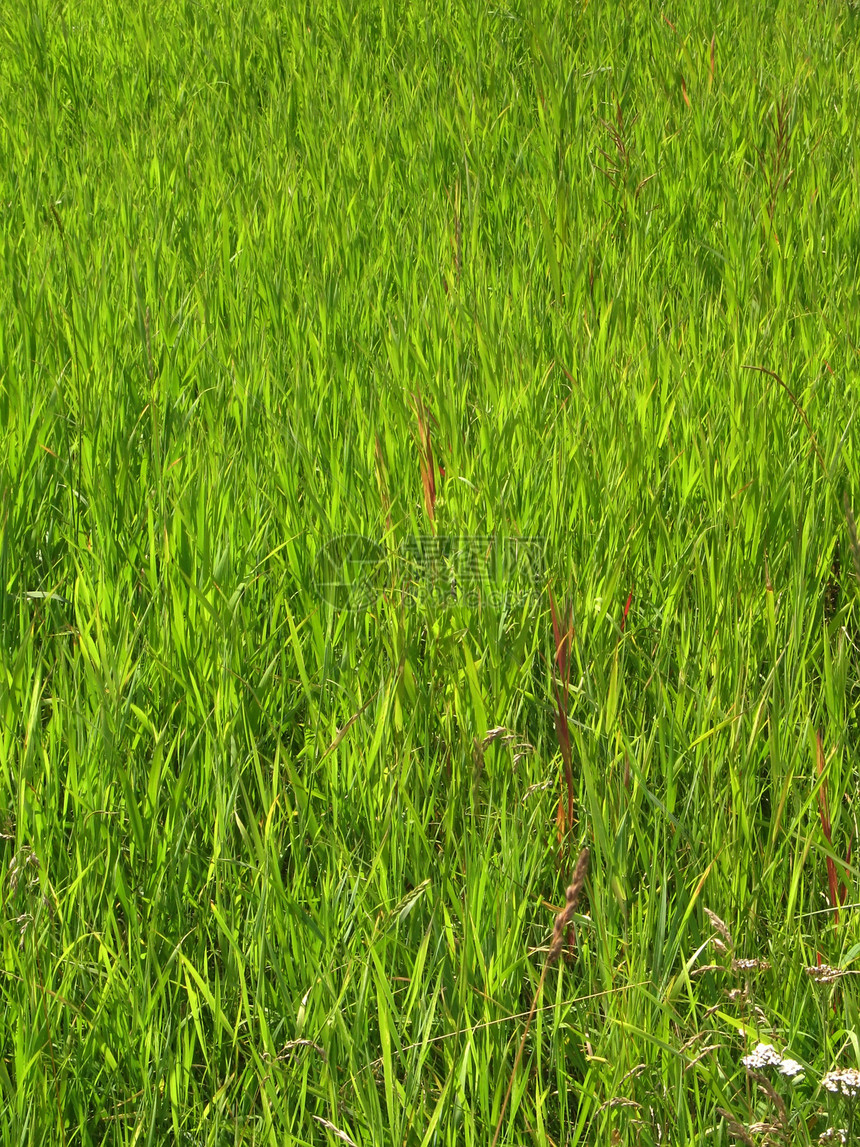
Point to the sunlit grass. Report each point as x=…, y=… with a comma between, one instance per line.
x=274, y=869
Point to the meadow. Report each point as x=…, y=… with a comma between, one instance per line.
x=429, y=579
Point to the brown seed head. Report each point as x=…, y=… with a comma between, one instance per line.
x=571, y=896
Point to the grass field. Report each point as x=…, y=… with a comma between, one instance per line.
x=429, y=449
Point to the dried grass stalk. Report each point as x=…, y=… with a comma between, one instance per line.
x=563, y=922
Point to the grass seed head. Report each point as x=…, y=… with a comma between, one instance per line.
x=720, y=927
x=563, y=919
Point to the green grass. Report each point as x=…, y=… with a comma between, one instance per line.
x=259, y=879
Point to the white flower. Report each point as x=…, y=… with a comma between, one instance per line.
x=843, y=1081
x=825, y=973
x=790, y=1067
x=765, y=1055
x=753, y=965
x=833, y=1135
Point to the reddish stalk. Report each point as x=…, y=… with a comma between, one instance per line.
x=563, y=632
x=838, y=893
x=626, y=610
x=426, y=461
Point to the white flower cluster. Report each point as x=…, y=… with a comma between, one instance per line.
x=752, y=965
x=843, y=1081
x=834, y=1135
x=766, y=1055
x=791, y=1067
x=825, y=973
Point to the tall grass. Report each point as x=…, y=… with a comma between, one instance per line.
x=281, y=863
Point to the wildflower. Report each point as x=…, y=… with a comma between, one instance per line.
x=750, y=965
x=825, y=973
x=843, y=1081
x=765, y=1055
x=790, y=1067
x=834, y=1135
